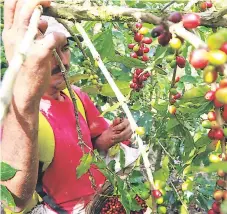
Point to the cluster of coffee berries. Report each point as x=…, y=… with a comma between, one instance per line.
x=174, y=60
x=142, y=203
x=174, y=96
x=112, y=206
x=190, y=21
x=159, y=200
x=220, y=194
x=203, y=6
x=211, y=60
x=158, y=194
x=216, y=132
x=140, y=48
x=138, y=78
x=93, y=77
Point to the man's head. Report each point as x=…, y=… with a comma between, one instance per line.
x=57, y=81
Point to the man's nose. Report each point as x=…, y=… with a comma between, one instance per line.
x=63, y=57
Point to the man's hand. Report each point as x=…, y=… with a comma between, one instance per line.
x=34, y=76
x=119, y=131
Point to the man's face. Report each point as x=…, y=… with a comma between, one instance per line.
x=57, y=81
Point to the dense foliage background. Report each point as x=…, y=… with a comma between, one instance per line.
x=178, y=145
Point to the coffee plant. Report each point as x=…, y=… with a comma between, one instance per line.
x=169, y=60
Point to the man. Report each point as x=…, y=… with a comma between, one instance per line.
x=39, y=88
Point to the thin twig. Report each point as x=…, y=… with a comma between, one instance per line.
x=168, y=5
x=179, y=196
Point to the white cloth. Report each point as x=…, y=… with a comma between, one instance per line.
x=131, y=155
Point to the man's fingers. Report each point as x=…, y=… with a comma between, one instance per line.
x=25, y=9
x=124, y=135
x=53, y=40
x=9, y=9
x=116, y=121
x=121, y=126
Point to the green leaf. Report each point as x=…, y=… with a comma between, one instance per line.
x=188, y=78
x=160, y=107
x=7, y=172
x=136, y=177
x=122, y=158
x=136, y=106
x=203, y=141
x=111, y=165
x=122, y=85
x=163, y=173
x=111, y=108
x=127, y=61
x=196, y=92
x=84, y=166
x=171, y=123
x=6, y=196
x=214, y=167
x=104, y=43
x=90, y=89
x=159, y=70
x=188, y=69
x=160, y=52
x=77, y=77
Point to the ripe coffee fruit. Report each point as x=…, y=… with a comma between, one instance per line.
x=221, y=183
x=133, y=55
x=181, y=62
x=210, y=95
x=157, y=31
x=145, y=58
x=131, y=46
x=156, y=193
x=175, y=17
x=218, y=135
x=199, y=58
x=164, y=38
x=217, y=104
x=139, y=25
x=211, y=212
x=216, y=207
x=191, y=20
x=147, y=40
x=138, y=37
x=224, y=48
x=209, y=4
